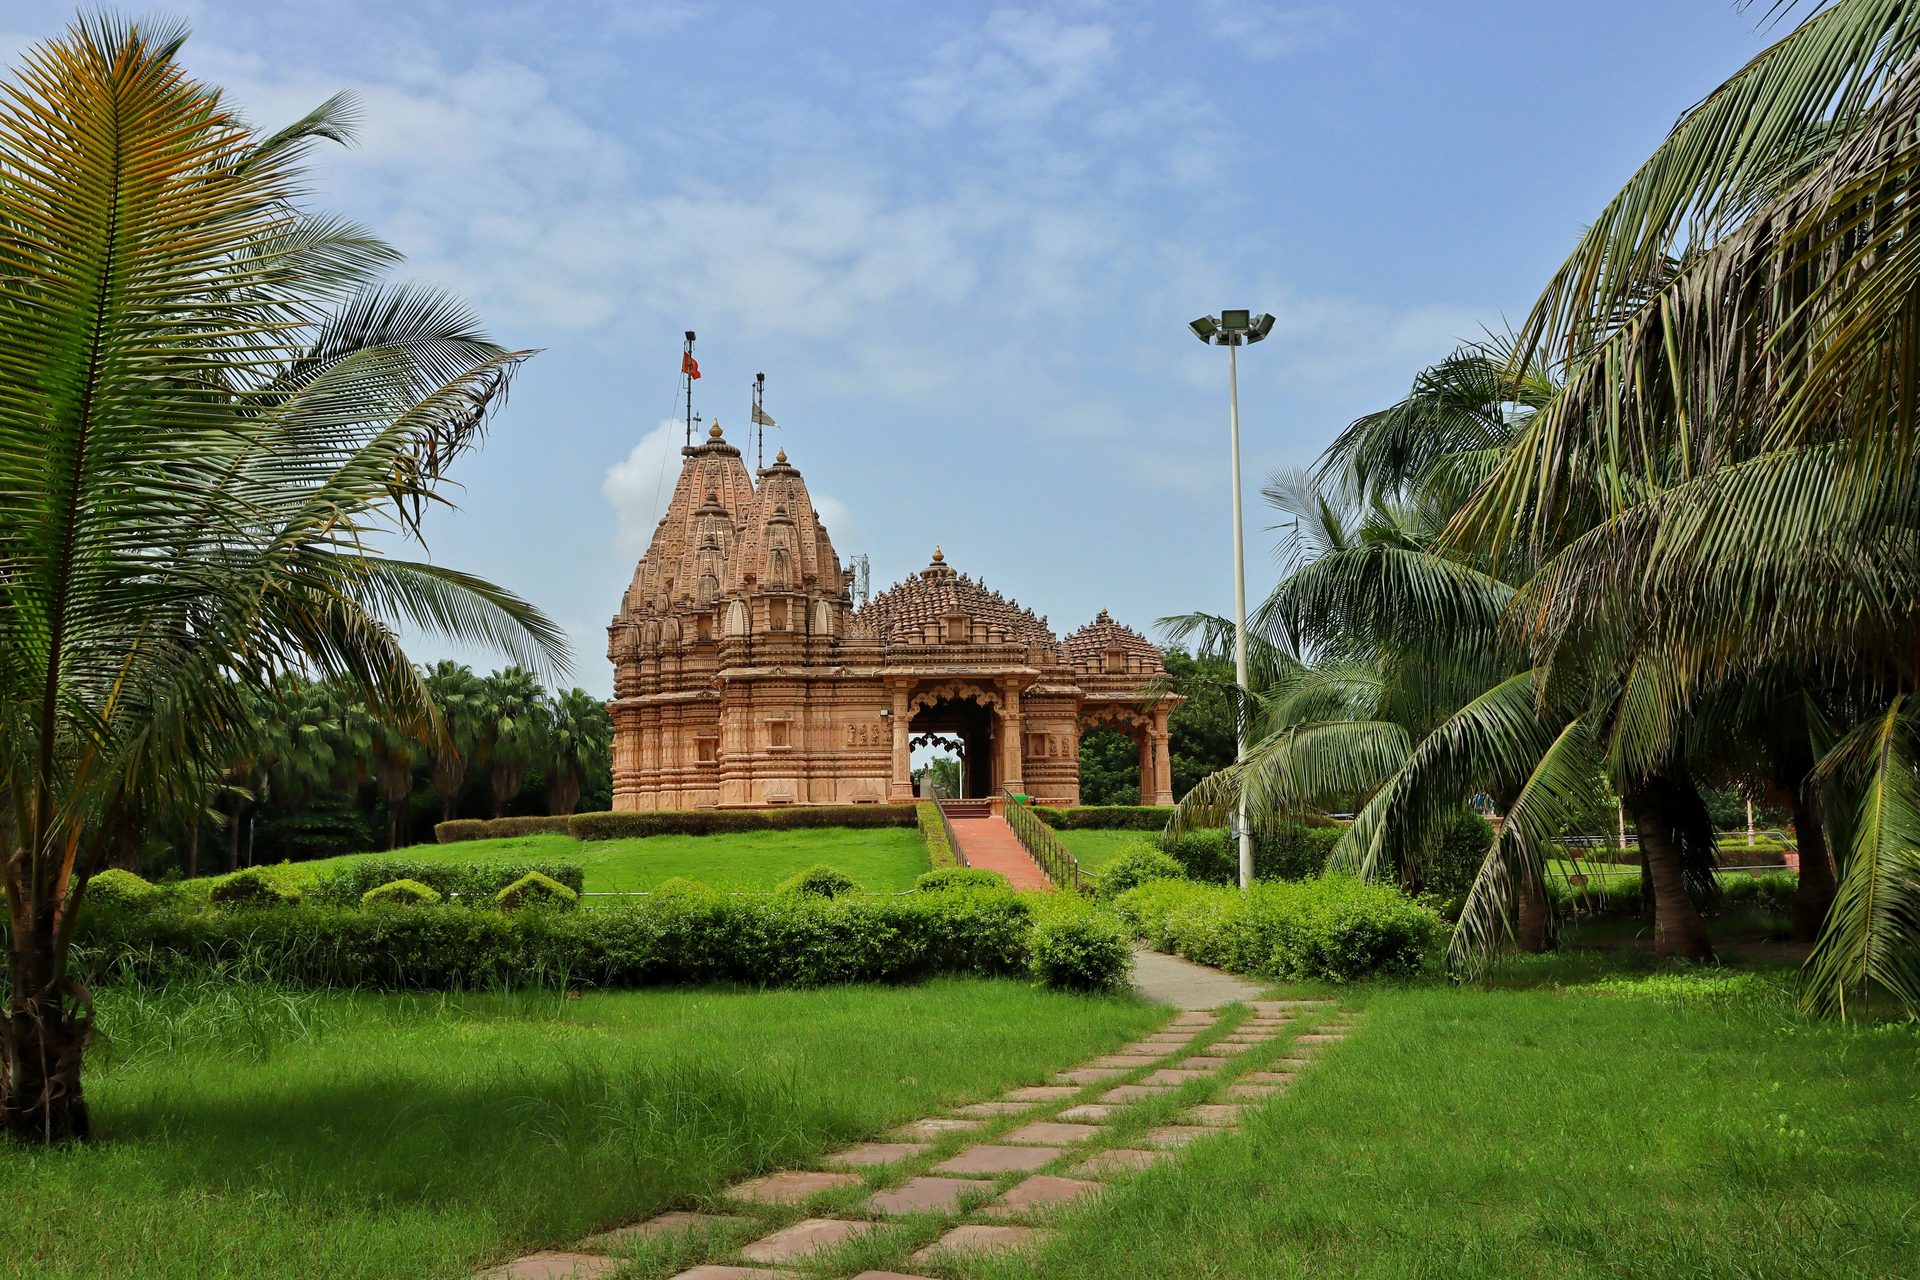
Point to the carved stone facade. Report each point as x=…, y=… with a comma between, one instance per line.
x=743, y=675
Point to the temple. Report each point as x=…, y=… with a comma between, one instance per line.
x=744, y=675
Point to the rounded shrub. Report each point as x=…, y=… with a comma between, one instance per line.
x=252, y=888
x=1137, y=866
x=680, y=887
x=118, y=888
x=947, y=878
x=820, y=882
x=536, y=890
x=1077, y=946
x=401, y=893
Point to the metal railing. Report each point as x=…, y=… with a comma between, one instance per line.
x=953, y=845
x=1044, y=847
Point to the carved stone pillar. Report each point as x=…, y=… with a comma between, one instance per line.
x=1160, y=741
x=1014, y=747
x=1146, y=766
x=901, y=787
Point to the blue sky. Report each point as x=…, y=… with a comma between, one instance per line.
x=962, y=242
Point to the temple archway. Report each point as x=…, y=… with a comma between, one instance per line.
x=1146, y=728
x=968, y=715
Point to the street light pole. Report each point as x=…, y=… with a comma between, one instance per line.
x=1230, y=329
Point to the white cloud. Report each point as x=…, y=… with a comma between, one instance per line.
x=1267, y=31
x=1018, y=68
x=639, y=486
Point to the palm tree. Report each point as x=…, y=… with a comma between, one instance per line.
x=1740, y=440
x=579, y=746
x=208, y=408
x=460, y=696
x=512, y=731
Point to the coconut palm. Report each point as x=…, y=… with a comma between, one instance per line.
x=579, y=746
x=213, y=422
x=1738, y=328
x=512, y=732
x=460, y=697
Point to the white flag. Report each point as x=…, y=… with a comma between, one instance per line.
x=760, y=416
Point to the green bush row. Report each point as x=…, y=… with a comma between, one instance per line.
x=1335, y=928
x=681, y=933
x=470, y=884
x=933, y=834
x=1212, y=855
x=499, y=828
x=1107, y=817
x=705, y=822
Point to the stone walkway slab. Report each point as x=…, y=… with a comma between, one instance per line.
x=810, y=1235
x=1176, y=1135
x=552, y=1265
x=790, y=1186
x=1268, y=1077
x=1252, y=1092
x=1224, y=1049
x=1088, y=1113
x=718, y=1271
x=1283, y=1006
x=1175, y=1076
x=1124, y=1061
x=935, y=1127
x=675, y=1222
x=1183, y=984
x=984, y=1109
x=990, y=1158
x=979, y=1238
x=1222, y=1114
x=1041, y=1093
x=1335, y=1038
x=868, y=1154
x=1041, y=1191
x=926, y=1195
x=889, y=1275
x=1118, y=1160
x=1133, y=1093
x=1052, y=1133
x=1093, y=1075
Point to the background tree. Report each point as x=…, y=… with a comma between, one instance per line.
x=512, y=732
x=212, y=415
x=460, y=697
x=579, y=746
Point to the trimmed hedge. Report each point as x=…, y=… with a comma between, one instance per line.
x=1107, y=817
x=458, y=829
x=401, y=893
x=1335, y=928
x=933, y=834
x=945, y=879
x=1136, y=866
x=471, y=884
x=536, y=890
x=707, y=822
x=252, y=888
x=121, y=888
x=1078, y=946
x=819, y=881
x=1296, y=852
x=682, y=934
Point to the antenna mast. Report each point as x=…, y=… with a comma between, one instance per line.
x=759, y=421
x=689, y=370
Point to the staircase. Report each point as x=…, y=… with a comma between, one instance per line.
x=983, y=839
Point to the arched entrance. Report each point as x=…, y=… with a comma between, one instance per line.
x=1147, y=728
x=970, y=715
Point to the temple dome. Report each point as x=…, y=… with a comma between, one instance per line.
x=695, y=544
x=908, y=612
x=786, y=546
x=1106, y=647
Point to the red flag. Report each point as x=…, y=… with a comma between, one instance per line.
x=689, y=366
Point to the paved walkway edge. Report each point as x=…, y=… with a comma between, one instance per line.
x=1166, y=979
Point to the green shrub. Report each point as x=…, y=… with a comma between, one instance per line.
x=459, y=829
x=1138, y=865
x=1107, y=817
x=819, y=881
x=536, y=890
x=252, y=888
x=704, y=822
x=933, y=834
x=1297, y=851
x=1078, y=946
x=947, y=878
x=681, y=886
x=1335, y=928
x=401, y=893
x=1450, y=865
x=122, y=888
x=683, y=935
x=471, y=884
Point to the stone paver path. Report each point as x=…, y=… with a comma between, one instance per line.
x=991, y=1175
x=989, y=843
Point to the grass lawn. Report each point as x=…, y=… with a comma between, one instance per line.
x=883, y=860
x=1095, y=849
x=248, y=1133
x=1639, y=1127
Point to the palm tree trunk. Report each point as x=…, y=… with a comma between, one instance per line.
x=233, y=839
x=1814, y=897
x=193, y=848
x=1678, y=928
x=1531, y=933
x=42, y=1040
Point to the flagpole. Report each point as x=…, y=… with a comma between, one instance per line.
x=686, y=363
x=759, y=425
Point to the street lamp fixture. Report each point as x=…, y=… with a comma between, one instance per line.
x=1232, y=329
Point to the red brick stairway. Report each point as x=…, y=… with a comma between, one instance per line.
x=985, y=840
